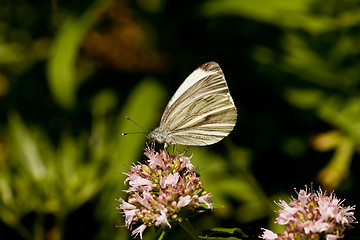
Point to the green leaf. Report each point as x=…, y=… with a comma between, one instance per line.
x=63, y=77
x=226, y=230
x=163, y=234
x=222, y=233
x=295, y=14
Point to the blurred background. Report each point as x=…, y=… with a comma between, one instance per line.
x=70, y=71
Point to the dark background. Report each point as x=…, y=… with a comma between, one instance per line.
x=70, y=71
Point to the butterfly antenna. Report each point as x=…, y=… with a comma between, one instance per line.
x=124, y=134
x=127, y=117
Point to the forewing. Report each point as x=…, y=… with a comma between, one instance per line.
x=201, y=112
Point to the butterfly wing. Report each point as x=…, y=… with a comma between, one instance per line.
x=201, y=112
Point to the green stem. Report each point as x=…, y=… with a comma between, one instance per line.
x=162, y=234
x=189, y=229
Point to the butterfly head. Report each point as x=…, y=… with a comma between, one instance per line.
x=159, y=136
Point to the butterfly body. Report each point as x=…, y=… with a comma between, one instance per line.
x=160, y=136
x=200, y=113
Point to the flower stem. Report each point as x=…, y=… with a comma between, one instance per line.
x=189, y=229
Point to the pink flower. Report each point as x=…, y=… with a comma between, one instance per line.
x=137, y=181
x=162, y=220
x=345, y=216
x=206, y=199
x=314, y=227
x=126, y=205
x=183, y=201
x=164, y=189
x=130, y=217
x=139, y=230
x=286, y=214
x=331, y=237
x=145, y=201
x=187, y=163
x=268, y=235
x=154, y=159
x=312, y=215
x=171, y=179
x=303, y=197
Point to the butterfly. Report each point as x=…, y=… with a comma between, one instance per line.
x=200, y=113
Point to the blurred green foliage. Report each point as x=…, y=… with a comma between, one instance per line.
x=70, y=71
x=46, y=179
x=63, y=73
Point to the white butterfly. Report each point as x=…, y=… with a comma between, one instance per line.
x=200, y=113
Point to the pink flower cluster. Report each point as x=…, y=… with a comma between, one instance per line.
x=163, y=190
x=312, y=215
